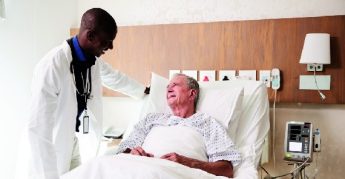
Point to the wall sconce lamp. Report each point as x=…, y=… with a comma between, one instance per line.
x=315, y=53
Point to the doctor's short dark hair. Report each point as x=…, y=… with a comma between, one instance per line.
x=98, y=20
x=192, y=84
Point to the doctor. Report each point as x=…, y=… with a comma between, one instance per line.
x=66, y=96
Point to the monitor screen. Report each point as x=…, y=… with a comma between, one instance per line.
x=295, y=146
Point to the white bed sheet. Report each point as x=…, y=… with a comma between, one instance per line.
x=126, y=166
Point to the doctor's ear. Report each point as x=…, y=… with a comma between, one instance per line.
x=91, y=35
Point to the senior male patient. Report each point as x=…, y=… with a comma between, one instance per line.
x=182, y=96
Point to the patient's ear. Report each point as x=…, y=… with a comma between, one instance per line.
x=192, y=93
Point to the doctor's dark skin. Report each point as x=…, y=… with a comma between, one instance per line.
x=181, y=100
x=97, y=33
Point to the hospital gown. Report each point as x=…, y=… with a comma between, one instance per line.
x=219, y=146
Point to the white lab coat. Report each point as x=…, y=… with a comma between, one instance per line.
x=51, y=126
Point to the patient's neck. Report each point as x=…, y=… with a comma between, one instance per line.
x=183, y=111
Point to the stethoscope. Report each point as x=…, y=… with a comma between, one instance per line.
x=86, y=84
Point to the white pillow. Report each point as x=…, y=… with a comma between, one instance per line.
x=155, y=102
x=157, y=99
x=224, y=103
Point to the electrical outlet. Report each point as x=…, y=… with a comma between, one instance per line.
x=317, y=141
x=265, y=77
x=317, y=67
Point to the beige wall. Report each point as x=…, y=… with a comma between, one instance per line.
x=330, y=119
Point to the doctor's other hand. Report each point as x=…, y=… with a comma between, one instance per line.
x=147, y=90
x=140, y=151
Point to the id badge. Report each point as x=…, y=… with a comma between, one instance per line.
x=85, y=124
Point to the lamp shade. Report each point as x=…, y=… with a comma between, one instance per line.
x=316, y=49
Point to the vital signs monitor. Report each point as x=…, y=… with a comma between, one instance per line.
x=298, y=141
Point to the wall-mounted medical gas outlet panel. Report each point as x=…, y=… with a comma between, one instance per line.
x=247, y=74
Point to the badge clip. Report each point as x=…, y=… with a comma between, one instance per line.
x=85, y=123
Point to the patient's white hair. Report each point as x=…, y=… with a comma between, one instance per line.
x=192, y=84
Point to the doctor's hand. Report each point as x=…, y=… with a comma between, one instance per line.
x=141, y=152
x=147, y=90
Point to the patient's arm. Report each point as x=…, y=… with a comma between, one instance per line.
x=219, y=168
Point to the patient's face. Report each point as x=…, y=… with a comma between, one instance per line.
x=177, y=91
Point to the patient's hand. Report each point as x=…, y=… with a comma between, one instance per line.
x=140, y=151
x=178, y=158
x=219, y=168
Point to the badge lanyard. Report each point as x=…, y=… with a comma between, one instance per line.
x=86, y=83
x=86, y=94
x=87, y=91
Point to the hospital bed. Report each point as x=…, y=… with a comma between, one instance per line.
x=241, y=104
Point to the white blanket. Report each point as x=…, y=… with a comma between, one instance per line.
x=126, y=166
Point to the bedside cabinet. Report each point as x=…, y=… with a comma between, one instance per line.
x=109, y=146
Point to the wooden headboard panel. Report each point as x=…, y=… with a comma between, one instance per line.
x=236, y=45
